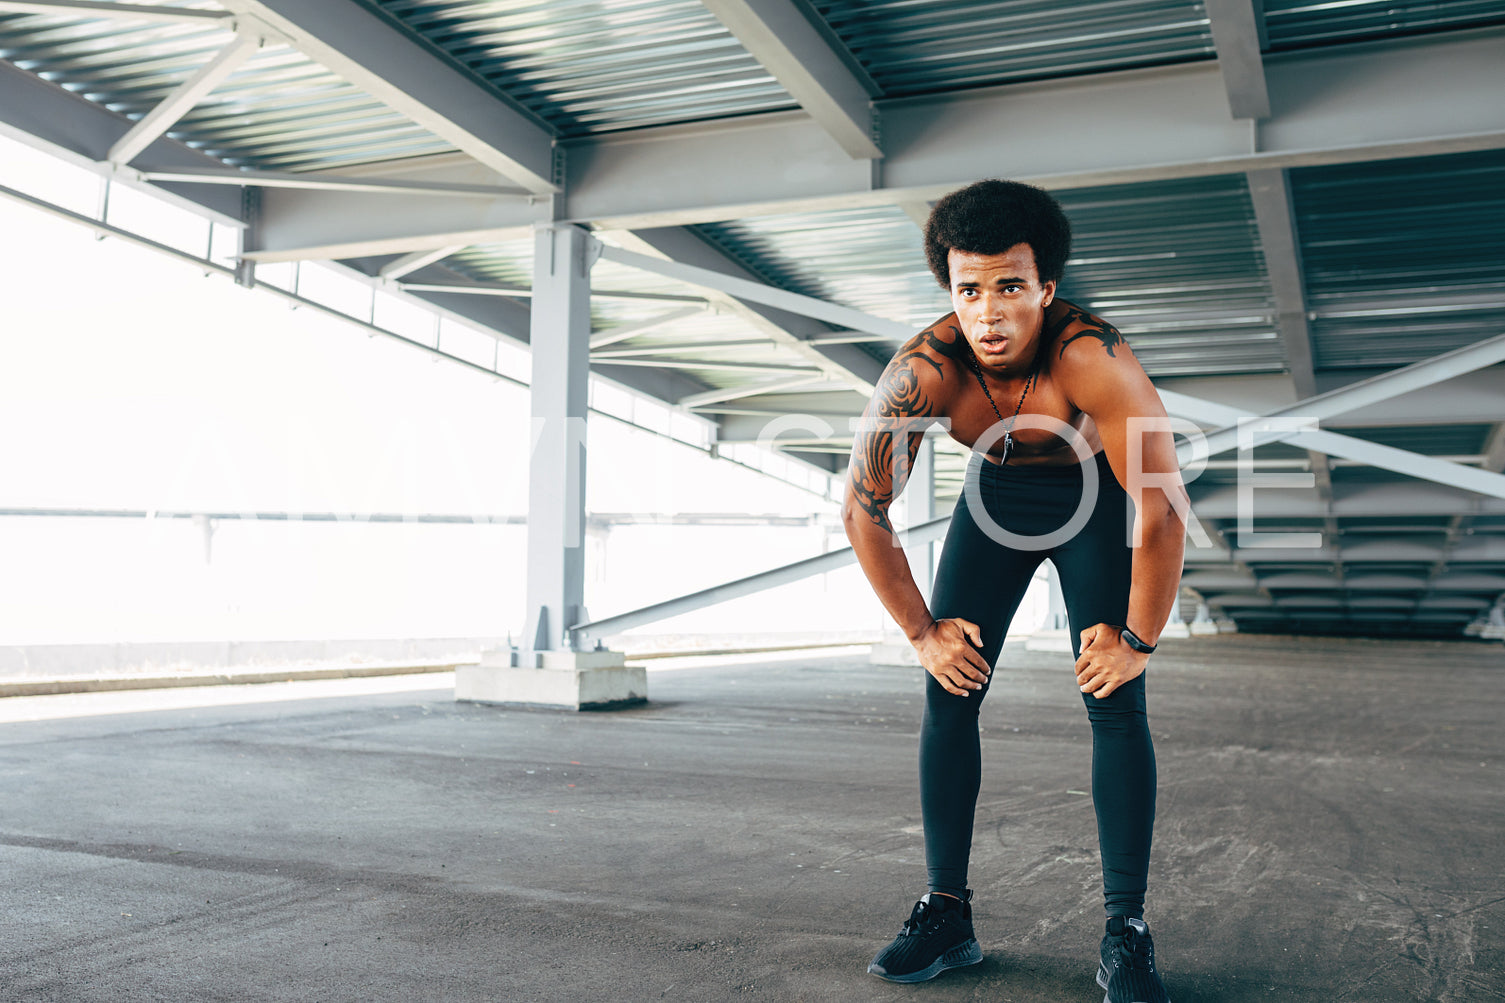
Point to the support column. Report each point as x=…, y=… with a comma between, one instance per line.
x=547, y=670
x=560, y=341
x=1203, y=623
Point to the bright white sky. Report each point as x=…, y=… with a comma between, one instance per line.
x=129, y=380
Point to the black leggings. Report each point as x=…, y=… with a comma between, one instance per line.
x=982, y=580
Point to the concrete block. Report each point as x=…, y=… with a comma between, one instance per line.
x=498, y=658
x=579, y=659
x=503, y=658
x=569, y=680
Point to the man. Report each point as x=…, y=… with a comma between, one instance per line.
x=1051, y=399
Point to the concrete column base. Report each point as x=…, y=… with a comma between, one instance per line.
x=567, y=680
x=1177, y=629
x=894, y=653
x=1201, y=627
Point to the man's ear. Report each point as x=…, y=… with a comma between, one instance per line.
x=1050, y=291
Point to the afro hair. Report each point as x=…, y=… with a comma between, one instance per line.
x=989, y=217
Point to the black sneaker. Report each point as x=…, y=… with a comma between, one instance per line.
x=937, y=936
x=1127, y=969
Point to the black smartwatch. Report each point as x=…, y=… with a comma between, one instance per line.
x=1133, y=641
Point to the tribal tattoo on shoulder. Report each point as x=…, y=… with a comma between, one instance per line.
x=1091, y=327
x=900, y=406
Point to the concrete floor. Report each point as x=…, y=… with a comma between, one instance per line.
x=1331, y=828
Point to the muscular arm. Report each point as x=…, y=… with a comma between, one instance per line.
x=1107, y=382
x=911, y=394
x=902, y=406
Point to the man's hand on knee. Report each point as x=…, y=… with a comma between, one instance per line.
x=949, y=651
x=1107, y=661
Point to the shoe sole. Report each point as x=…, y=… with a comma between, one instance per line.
x=1102, y=983
x=959, y=956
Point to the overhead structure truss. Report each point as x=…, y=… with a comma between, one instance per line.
x=759, y=126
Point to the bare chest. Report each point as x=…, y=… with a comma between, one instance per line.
x=1041, y=432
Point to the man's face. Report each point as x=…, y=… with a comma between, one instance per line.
x=1000, y=302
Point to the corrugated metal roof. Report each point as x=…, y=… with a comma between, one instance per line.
x=279, y=111
x=1346, y=475
x=593, y=65
x=1177, y=267
x=1294, y=24
x=1388, y=524
x=1430, y=440
x=919, y=46
x=1403, y=259
x=869, y=259
x=509, y=262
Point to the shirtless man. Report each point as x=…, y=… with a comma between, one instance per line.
x=1013, y=354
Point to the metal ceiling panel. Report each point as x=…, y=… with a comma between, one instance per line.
x=921, y=46
x=509, y=262
x=1344, y=476
x=1175, y=266
x=1295, y=24
x=869, y=259
x=1430, y=440
x=589, y=66
x=1362, y=524
x=279, y=111
x=1403, y=259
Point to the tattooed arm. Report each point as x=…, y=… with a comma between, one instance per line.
x=912, y=394
x=1105, y=380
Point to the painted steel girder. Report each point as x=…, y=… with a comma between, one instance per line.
x=794, y=52
x=44, y=115
x=1418, y=97
x=1437, y=95
x=392, y=66
x=296, y=225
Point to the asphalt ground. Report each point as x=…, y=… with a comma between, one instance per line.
x=1331, y=827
